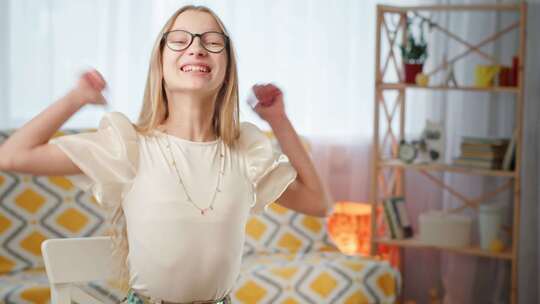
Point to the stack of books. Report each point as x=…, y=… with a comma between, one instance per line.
x=484, y=153
x=397, y=219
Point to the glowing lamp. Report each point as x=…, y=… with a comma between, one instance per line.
x=349, y=227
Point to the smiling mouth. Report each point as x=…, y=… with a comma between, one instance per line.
x=189, y=68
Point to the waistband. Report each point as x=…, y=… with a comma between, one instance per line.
x=136, y=298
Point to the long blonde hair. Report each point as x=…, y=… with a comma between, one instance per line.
x=225, y=121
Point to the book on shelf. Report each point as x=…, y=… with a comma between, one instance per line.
x=390, y=222
x=483, y=152
x=483, y=148
x=397, y=219
x=492, y=141
x=478, y=163
x=510, y=154
x=491, y=155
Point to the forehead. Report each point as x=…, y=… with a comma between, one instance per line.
x=195, y=22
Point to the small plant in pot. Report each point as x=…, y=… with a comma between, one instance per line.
x=414, y=52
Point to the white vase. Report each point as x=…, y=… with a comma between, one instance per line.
x=490, y=218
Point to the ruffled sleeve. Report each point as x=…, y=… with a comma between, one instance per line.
x=267, y=169
x=107, y=157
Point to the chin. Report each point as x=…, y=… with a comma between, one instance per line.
x=202, y=90
x=199, y=86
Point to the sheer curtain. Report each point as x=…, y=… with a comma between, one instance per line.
x=320, y=53
x=312, y=51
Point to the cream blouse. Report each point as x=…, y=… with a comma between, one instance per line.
x=176, y=254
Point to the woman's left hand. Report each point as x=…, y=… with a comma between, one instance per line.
x=270, y=107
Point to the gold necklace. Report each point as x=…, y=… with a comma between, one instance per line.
x=188, y=197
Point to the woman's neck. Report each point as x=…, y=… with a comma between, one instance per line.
x=190, y=117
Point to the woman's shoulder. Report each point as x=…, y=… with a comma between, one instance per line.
x=251, y=130
x=255, y=144
x=120, y=124
x=116, y=118
x=250, y=135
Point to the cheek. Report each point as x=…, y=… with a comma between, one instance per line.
x=169, y=64
x=223, y=69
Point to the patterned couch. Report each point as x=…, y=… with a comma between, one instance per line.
x=288, y=257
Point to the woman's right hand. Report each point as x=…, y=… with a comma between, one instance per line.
x=89, y=88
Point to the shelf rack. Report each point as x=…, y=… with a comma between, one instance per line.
x=385, y=151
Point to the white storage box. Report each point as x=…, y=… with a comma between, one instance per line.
x=444, y=229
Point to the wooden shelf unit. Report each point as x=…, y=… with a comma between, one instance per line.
x=400, y=86
x=385, y=154
x=472, y=250
x=447, y=168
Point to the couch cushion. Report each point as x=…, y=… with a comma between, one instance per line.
x=316, y=277
x=281, y=230
x=32, y=286
x=33, y=209
x=25, y=287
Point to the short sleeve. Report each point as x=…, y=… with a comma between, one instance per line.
x=267, y=169
x=107, y=157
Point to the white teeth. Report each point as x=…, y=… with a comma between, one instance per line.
x=197, y=68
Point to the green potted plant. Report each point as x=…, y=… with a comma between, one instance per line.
x=414, y=52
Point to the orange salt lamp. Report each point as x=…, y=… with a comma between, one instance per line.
x=349, y=227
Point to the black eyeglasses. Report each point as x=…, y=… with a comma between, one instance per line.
x=179, y=40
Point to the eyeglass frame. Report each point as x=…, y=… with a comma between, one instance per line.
x=193, y=36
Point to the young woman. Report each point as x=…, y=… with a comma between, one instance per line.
x=182, y=181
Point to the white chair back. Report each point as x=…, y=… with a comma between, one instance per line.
x=76, y=260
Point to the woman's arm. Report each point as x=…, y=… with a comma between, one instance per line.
x=27, y=150
x=307, y=194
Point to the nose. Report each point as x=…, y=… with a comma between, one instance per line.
x=195, y=48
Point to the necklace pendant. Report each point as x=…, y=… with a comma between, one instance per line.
x=221, y=172
x=205, y=210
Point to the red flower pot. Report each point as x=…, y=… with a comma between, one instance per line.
x=506, y=77
x=411, y=70
x=514, y=74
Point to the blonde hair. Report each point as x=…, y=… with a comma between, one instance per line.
x=225, y=121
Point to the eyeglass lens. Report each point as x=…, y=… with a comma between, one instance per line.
x=180, y=40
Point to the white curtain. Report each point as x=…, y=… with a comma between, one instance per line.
x=321, y=53
x=318, y=52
